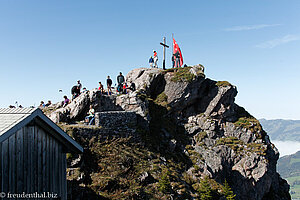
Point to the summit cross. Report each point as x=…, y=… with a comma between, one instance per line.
x=164, y=55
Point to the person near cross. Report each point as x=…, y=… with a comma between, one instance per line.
x=155, y=58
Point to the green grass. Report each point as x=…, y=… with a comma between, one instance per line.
x=223, y=84
x=252, y=124
x=200, y=136
x=169, y=70
x=229, y=140
x=162, y=99
x=183, y=75
x=234, y=143
x=295, y=188
x=257, y=148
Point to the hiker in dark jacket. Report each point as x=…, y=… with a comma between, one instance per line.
x=173, y=60
x=121, y=81
x=151, y=61
x=75, y=91
x=109, y=84
x=177, y=60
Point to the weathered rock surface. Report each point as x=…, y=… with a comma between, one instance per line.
x=133, y=102
x=78, y=108
x=197, y=118
x=207, y=107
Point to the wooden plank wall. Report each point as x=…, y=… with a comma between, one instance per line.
x=33, y=161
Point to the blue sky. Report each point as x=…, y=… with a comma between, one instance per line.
x=254, y=44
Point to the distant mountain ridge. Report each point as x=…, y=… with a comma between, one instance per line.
x=282, y=130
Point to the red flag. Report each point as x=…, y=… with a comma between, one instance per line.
x=175, y=49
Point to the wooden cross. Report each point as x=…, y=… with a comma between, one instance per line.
x=164, y=46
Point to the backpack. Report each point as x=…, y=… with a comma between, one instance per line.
x=119, y=88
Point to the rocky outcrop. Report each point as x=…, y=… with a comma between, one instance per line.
x=134, y=101
x=232, y=143
x=78, y=108
x=182, y=114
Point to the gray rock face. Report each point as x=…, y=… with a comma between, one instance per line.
x=150, y=80
x=230, y=143
x=133, y=102
x=72, y=110
x=78, y=108
x=228, y=150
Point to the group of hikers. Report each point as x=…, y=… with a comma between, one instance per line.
x=153, y=60
x=43, y=105
x=122, y=88
x=175, y=60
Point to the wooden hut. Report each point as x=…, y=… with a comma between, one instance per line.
x=33, y=154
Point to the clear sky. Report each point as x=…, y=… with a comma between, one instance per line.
x=254, y=44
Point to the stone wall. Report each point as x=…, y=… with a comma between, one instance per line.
x=117, y=120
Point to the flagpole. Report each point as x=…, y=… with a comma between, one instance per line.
x=172, y=48
x=172, y=43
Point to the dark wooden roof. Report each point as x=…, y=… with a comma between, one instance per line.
x=13, y=119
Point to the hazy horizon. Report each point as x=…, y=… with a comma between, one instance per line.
x=286, y=147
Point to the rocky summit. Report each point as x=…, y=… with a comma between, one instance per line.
x=180, y=135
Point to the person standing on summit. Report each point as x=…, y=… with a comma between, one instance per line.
x=120, y=80
x=151, y=61
x=79, y=85
x=177, y=59
x=109, y=84
x=155, y=58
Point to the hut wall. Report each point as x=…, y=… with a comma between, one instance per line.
x=33, y=162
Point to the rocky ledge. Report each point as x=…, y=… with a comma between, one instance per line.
x=195, y=140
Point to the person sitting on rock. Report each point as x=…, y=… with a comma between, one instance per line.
x=84, y=90
x=66, y=101
x=125, y=86
x=91, y=116
x=132, y=86
x=42, y=104
x=48, y=104
x=101, y=88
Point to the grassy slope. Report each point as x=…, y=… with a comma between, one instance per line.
x=289, y=168
x=295, y=188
